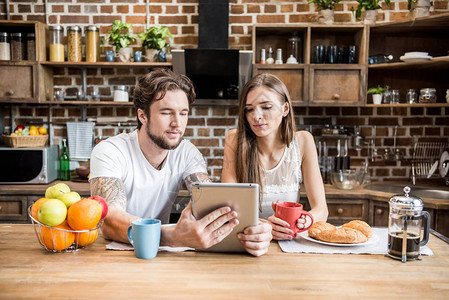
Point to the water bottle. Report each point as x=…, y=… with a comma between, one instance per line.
x=64, y=163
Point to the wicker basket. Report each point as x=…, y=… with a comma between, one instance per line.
x=25, y=141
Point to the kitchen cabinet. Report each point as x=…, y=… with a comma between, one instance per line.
x=344, y=210
x=442, y=221
x=36, y=80
x=312, y=84
x=13, y=208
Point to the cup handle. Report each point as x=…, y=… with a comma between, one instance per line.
x=130, y=236
x=273, y=205
x=311, y=218
x=426, y=228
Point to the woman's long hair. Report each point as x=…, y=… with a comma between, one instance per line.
x=248, y=166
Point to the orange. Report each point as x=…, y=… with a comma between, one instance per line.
x=55, y=239
x=42, y=130
x=84, y=214
x=34, y=131
x=86, y=238
x=35, y=207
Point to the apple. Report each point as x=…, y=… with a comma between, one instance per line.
x=19, y=127
x=56, y=190
x=52, y=212
x=69, y=198
x=102, y=203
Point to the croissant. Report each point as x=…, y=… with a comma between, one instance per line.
x=361, y=226
x=354, y=232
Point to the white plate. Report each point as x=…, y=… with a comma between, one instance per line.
x=414, y=58
x=444, y=157
x=416, y=54
x=433, y=169
x=305, y=235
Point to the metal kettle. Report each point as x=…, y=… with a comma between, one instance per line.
x=405, y=236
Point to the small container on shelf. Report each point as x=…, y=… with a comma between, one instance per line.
x=263, y=56
x=92, y=44
x=74, y=44
x=56, y=43
x=5, y=46
x=411, y=97
x=121, y=93
x=31, y=46
x=18, y=46
x=428, y=95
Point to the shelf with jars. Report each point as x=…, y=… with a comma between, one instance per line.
x=322, y=65
x=418, y=60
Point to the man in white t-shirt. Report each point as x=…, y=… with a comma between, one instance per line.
x=140, y=173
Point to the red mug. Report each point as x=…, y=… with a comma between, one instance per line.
x=291, y=212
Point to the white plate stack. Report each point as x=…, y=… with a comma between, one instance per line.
x=415, y=56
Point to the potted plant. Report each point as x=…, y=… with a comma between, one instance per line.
x=369, y=9
x=120, y=37
x=155, y=40
x=419, y=8
x=325, y=10
x=377, y=94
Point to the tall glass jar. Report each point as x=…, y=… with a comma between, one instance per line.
x=56, y=43
x=31, y=46
x=92, y=44
x=18, y=46
x=74, y=44
x=5, y=50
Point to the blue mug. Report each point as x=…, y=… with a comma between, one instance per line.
x=138, y=56
x=145, y=236
x=110, y=56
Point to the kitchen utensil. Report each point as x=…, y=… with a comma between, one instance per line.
x=444, y=164
x=347, y=179
x=433, y=169
x=290, y=212
x=404, y=226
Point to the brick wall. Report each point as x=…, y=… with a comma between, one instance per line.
x=208, y=125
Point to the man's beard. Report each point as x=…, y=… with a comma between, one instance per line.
x=159, y=140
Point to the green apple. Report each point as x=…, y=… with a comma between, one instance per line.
x=55, y=190
x=69, y=198
x=52, y=212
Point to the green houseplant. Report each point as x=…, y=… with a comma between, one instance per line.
x=377, y=94
x=120, y=37
x=325, y=10
x=155, y=40
x=369, y=8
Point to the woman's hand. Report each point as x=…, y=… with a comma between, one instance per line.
x=281, y=230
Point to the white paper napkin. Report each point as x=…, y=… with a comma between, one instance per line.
x=127, y=247
x=380, y=246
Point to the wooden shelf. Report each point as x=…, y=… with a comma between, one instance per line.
x=436, y=62
x=84, y=64
x=409, y=105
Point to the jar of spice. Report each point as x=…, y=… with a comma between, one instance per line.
x=92, y=44
x=121, y=93
x=428, y=95
x=74, y=43
x=31, y=46
x=18, y=47
x=5, y=46
x=56, y=43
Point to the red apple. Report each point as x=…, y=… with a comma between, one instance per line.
x=19, y=127
x=102, y=203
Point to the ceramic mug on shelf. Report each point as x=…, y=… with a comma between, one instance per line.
x=145, y=236
x=290, y=212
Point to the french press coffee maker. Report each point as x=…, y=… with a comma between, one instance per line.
x=404, y=226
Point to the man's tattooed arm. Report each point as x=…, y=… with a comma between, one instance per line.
x=196, y=178
x=111, y=189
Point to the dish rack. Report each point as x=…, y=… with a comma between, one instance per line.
x=425, y=158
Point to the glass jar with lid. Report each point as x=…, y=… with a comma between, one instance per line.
x=92, y=44
x=74, y=44
x=121, y=93
x=18, y=46
x=56, y=43
x=5, y=46
x=31, y=46
x=428, y=95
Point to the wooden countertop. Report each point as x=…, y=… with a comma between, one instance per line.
x=29, y=271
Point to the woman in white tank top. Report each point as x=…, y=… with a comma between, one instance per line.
x=266, y=149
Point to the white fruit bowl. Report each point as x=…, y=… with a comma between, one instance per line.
x=54, y=244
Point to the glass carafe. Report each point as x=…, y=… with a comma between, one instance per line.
x=404, y=226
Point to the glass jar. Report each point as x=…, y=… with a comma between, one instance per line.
x=411, y=97
x=5, y=46
x=18, y=46
x=74, y=43
x=31, y=46
x=428, y=95
x=121, y=93
x=92, y=44
x=395, y=97
x=56, y=43
x=293, y=47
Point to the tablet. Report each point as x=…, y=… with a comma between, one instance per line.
x=241, y=197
